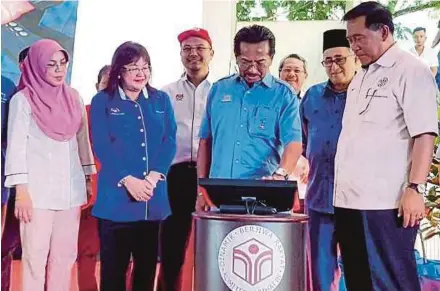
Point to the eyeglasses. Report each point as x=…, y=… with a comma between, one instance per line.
x=59, y=66
x=137, y=70
x=246, y=65
x=289, y=71
x=337, y=60
x=199, y=49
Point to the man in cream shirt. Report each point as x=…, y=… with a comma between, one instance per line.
x=383, y=156
x=188, y=96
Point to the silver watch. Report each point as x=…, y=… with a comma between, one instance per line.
x=282, y=172
x=419, y=188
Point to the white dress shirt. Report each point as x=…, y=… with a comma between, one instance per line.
x=189, y=105
x=53, y=170
x=428, y=56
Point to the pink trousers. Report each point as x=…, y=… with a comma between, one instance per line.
x=50, y=245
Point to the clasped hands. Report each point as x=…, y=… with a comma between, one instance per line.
x=143, y=189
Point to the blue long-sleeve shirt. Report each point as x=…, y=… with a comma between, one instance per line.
x=321, y=113
x=132, y=138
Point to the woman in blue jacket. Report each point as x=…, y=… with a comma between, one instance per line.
x=134, y=137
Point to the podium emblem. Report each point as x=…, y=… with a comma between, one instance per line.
x=251, y=257
x=252, y=261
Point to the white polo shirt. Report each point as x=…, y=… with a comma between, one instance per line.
x=387, y=104
x=189, y=105
x=428, y=56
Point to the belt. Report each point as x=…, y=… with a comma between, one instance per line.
x=190, y=165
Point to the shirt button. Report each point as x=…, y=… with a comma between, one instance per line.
x=144, y=158
x=241, y=125
x=145, y=173
x=332, y=126
x=245, y=109
x=142, y=130
x=237, y=161
x=336, y=111
x=139, y=117
x=238, y=143
x=143, y=144
x=247, y=92
x=135, y=105
x=327, y=142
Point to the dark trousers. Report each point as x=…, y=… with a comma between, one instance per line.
x=10, y=242
x=119, y=241
x=377, y=252
x=182, y=193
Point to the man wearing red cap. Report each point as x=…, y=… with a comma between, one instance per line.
x=188, y=96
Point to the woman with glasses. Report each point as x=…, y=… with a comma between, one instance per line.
x=134, y=137
x=48, y=162
x=293, y=70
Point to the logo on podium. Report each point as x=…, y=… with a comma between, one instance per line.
x=251, y=257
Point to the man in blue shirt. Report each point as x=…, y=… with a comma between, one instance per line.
x=251, y=128
x=321, y=116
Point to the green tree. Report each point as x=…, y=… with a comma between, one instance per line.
x=326, y=10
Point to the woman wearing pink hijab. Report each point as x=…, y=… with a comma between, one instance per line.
x=48, y=161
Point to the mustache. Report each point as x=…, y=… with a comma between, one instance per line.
x=193, y=59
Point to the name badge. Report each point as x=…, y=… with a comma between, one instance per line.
x=227, y=98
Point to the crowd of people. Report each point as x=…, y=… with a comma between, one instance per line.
x=363, y=142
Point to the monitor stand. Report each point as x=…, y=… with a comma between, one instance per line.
x=247, y=209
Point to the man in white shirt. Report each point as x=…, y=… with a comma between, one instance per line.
x=188, y=96
x=383, y=156
x=427, y=55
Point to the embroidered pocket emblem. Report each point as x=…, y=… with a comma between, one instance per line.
x=116, y=111
x=382, y=82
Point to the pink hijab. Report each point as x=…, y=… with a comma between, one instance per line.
x=55, y=109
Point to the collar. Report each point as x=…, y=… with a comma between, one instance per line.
x=413, y=50
x=207, y=79
x=267, y=80
x=328, y=86
x=124, y=97
x=389, y=57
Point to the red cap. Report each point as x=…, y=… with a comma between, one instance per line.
x=195, y=32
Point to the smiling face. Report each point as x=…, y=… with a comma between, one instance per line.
x=342, y=65
x=195, y=54
x=293, y=72
x=135, y=75
x=56, y=69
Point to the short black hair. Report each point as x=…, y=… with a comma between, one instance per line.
x=126, y=53
x=254, y=34
x=103, y=71
x=375, y=14
x=293, y=56
x=419, y=29
x=23, y=54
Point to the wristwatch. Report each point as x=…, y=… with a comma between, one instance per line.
x=419, y=188
x=282, y=172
